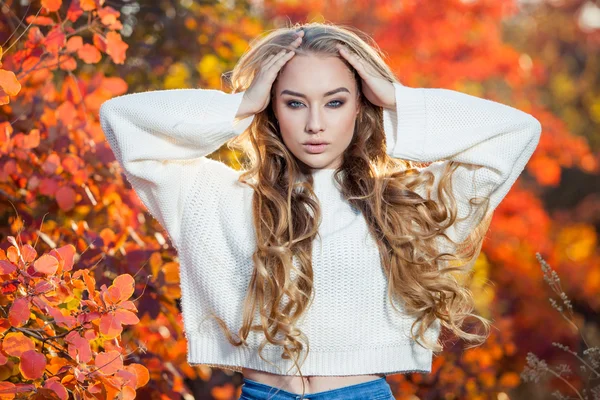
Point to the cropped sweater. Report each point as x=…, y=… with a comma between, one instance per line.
x=161, y=139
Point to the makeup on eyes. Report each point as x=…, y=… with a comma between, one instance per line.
x=340, y=103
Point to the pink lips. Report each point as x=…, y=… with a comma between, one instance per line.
x=315, y=148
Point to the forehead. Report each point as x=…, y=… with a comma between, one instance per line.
x=312, y=74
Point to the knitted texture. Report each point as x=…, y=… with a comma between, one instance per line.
x=161, y=139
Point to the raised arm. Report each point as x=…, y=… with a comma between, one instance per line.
x=160, y=138
x=441, y=125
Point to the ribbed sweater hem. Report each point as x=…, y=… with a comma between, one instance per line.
x=399, y=358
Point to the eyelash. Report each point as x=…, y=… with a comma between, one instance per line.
x=332, y=101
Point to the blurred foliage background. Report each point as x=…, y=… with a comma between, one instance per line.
x=539, y=56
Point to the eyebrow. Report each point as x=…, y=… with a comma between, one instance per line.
x=334, y=91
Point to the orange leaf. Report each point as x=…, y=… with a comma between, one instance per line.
x=126, y=285
x=46, y=264
x=7, y=390
x=99, y=41
x=67, y=252
x=126, y=317
x=15, y=343
x=87, y=5
x=4, y=325
x=89, y=54
x=223, y=392
x=28, y=252
x=9, y=82
x=545, y=169
x=67, y=63
x=109, y=362
x=115, y=47
x=52, y=5
x=39, y=20
x=171, y=272
x=67, y=113
x=74, y=43
x=30, y=141
x=141, y=373
x=109, y=17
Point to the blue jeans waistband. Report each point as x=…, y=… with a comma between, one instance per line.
x=377, y=389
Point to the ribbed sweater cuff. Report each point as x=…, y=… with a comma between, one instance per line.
x=407, y=127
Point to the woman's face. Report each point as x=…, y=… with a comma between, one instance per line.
x=316, y=100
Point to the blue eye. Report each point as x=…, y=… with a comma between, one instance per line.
x=340, y=103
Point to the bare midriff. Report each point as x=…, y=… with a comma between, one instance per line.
x=312, y=384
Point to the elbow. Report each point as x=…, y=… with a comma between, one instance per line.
x=104, y=111
x=535, y=126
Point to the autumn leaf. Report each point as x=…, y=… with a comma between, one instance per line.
x=15, y=344
x=32, y=364
x=89, y=54
x=39, y=20
x=46, y=264
x=109, y=362
x=9, y=83
x=115, y=47
x=18, y=315
x=74, y=43
x=52, y=5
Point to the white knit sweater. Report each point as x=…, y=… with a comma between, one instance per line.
x=161, y=139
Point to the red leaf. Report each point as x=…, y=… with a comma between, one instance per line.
x=79, y=347
x=55, y=40
x=19, y=312
x=32, y=364
x=57, y=387
x=65, y=197
x=110, y=326
x=6, y=267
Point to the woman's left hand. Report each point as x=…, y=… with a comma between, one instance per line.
x=376, y=88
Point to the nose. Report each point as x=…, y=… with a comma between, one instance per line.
x=315, y=122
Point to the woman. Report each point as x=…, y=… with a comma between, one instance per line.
x=394, y=202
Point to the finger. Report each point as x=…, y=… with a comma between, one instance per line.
x=357, y=62
x=280, y=61
x=297, y=41
x=274, y=59
x=267, y=60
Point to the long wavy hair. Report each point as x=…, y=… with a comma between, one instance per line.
x=286, y=211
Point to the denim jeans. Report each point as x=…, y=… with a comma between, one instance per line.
x=377, y=389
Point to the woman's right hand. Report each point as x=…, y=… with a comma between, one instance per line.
x=258, y=95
